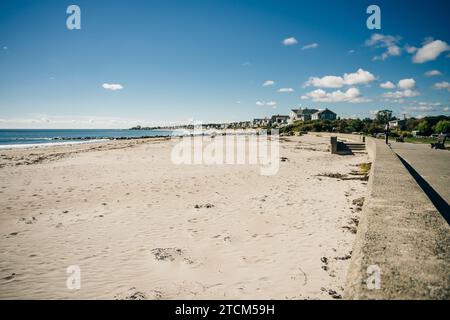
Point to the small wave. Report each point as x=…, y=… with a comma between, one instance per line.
x=24, y=139
x=47, y=144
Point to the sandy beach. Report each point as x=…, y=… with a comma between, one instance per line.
x=140, y=227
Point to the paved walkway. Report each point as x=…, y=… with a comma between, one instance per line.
x=432, y=165
x=403, y=232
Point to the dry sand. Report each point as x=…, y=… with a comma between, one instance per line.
x=139, y=226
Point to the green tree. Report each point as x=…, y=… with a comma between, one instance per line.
x=424, y=127
x=442, y=126
x=383, y=116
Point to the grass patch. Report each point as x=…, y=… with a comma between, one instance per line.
x=365, y=167
x=426, y=140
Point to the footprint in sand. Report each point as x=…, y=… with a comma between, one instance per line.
x=28, y=220
x=170, y=254
x=12, y=234
x=10, y=277
x=134, y=294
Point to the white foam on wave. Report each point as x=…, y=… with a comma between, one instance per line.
x=49, y=144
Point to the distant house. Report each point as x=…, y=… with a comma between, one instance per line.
x=239, y=125
x=302, y=114
x=397, y=123
x=261, y=122
x=279, y=120
x=325, y=114
x=245, y=124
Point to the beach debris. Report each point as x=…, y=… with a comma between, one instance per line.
x=206, y=205
x=332, y=293
x=284, y=159
x=359, y=202
x=352, y=229
x=170, y=254
x=365, y=167
x=332, y=175
x=134, y=294
x=341, y=176
x=138, y=295
x=345, y=257
x=164, y=254
x=325, y=263
x=310, y=149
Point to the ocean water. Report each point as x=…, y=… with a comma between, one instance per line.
x=30, y=137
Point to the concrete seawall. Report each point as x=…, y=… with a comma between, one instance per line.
x=402, y=247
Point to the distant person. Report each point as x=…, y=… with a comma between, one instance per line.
x=386, y=133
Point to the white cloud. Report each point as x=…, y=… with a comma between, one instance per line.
x=268, y=83
x=325, y=82
x=112, y=86
x=351, y=95
x=381, y=40
x=421, y=108
x=430, y=51
x=351, y=51
x=406, y=84
x=432, y=73
x=391, y=51
x=290, y=41
x=390, y=43
x=424, y=107
x=266, y=103
x=442, y=85
x=422, y=103
x=285, y=90
x=310, y=46
x=359, y=77
x=401, y=94
x=387, y=85
x=410, y=49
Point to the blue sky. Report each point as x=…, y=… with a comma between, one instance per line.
x=209, y=60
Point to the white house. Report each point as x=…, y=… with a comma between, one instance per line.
x=302, y=114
